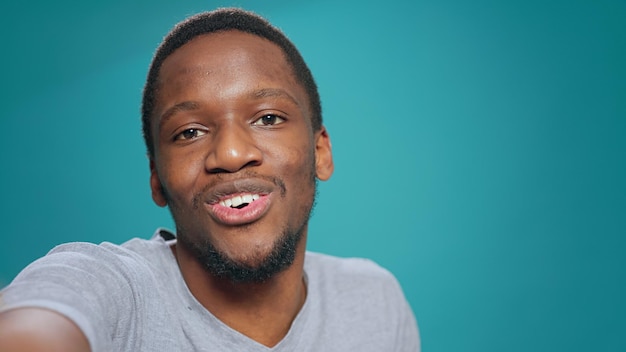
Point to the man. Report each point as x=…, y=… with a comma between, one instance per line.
x=232, y=122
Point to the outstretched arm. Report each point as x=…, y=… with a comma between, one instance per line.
x=36, y=329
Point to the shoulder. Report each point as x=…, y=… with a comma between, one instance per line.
x=84, y=268
x=135, y=247
x=103, y=288
x=354, y=282
x=347, y=271
x=81, y=271
x=361, y=302
x=99, y=259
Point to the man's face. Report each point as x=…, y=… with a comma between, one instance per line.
x=235, y=155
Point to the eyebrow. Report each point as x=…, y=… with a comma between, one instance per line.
x=180, y=107
x=257, y=94
x=273, y=93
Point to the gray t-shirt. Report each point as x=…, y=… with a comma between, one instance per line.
x=133, y=298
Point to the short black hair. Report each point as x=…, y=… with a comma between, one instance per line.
x=222, y=20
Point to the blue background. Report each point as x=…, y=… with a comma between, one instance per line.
x=480, y=150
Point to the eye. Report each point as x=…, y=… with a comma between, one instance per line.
x=268, y=120
x=189, y=134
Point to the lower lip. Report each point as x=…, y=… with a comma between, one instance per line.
x=233, y=216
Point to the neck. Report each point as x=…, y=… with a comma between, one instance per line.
x=262, y=311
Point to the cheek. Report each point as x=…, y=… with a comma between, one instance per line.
x=300, y=173
x=179, y=176
x=294, y=159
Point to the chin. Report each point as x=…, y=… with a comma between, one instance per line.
x=256, y=266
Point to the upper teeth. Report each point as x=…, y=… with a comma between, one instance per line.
x=239, y=200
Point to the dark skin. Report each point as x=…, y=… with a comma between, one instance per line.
x=230, y=112
x=230, y=117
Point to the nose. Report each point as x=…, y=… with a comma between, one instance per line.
x=232, y=149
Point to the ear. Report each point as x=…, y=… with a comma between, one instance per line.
x=158, y=196
x=324, y=165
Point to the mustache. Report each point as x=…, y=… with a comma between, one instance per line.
x=247, y=182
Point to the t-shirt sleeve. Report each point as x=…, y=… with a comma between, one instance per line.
x=363, y=301
x=393, y=308
x=408, y=339
x=80, y=281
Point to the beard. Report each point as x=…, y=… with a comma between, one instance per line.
x=262, y=267
x=281, y=256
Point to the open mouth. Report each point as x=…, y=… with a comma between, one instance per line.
x=239, y=201
x=239, y=208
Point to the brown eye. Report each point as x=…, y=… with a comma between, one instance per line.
x=269, y=120
x=190, y=133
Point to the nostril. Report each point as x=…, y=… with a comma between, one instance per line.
x=254, y=162
x=218, y=171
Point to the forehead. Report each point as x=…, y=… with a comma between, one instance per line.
x=225, y=58
x=220, y=43
x=224, y=51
